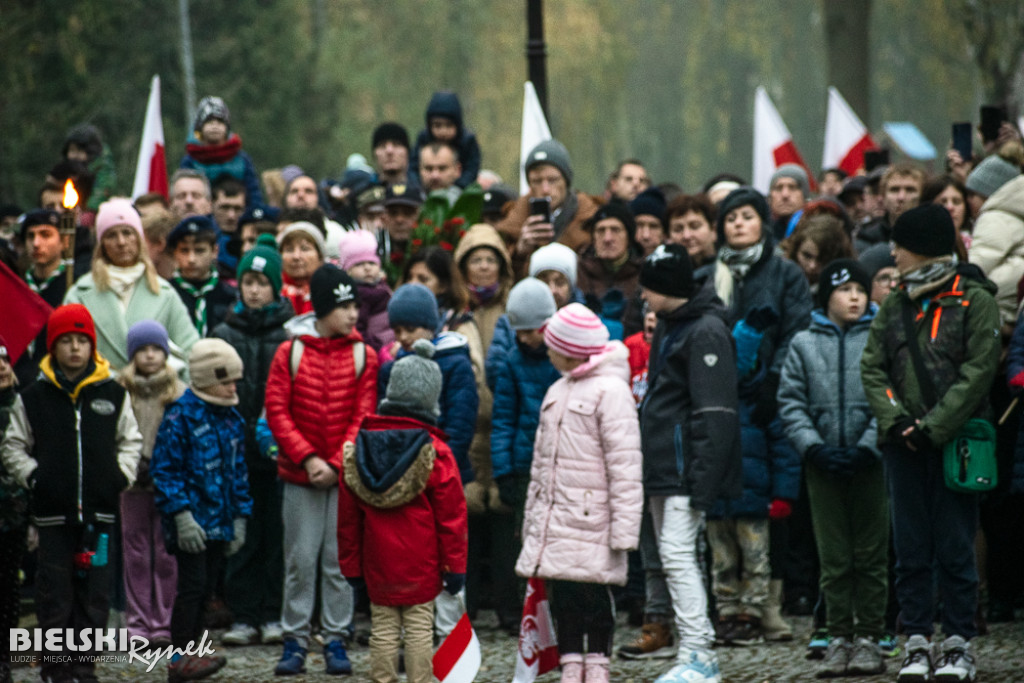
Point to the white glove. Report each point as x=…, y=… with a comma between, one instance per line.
x=191, y=537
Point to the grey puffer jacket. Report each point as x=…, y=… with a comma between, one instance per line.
x=821, y=398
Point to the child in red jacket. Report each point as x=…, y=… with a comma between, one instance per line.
x=320, y=386
x=402, y=517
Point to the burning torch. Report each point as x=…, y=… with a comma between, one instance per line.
x=68, y=229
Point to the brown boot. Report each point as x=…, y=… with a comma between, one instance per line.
x=772, y=623
x=654, y=642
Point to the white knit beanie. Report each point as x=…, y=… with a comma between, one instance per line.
x=554, y=256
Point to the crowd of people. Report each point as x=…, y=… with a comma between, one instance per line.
x=267, y=401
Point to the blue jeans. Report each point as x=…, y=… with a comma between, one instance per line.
x=933, y=534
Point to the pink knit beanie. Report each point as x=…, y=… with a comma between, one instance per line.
x=575, y=331
x=357, y=246
x=118, y=211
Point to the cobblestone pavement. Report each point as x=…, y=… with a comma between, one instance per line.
x=1000, y=659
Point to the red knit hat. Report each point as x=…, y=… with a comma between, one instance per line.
x=69, y=318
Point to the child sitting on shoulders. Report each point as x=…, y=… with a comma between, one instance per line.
x=215, y=151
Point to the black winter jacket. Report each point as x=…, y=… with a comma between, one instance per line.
x=689, y=420
x=255, y=335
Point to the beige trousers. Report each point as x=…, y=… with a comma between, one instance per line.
x=386, y=637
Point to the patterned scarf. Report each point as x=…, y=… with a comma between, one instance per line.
x=38, y=287
x=483, y=295
x=739, y=261
x=199, y=294
x=929, y=276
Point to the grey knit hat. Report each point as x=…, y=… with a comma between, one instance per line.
x=990, y=175
x=550, y=152
x=797, y=173
x=530, y=304
x=415, y=385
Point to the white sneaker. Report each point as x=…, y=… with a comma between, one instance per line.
x=955, y=662
x=240, y=634
x=272, y=633
x=699, y=666
x=917, y=662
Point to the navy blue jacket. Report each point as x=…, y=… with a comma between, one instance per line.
x=771, y=469
x=199, y=465
x=459, y=401
x=447, y=104
x=521, y=379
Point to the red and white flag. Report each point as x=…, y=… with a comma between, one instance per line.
x=151, y=169
x=535, y=131
x=773, y=145
x=846, y=137
x=458, y=659
x=538, y=647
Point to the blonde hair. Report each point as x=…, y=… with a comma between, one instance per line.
x=101, y=276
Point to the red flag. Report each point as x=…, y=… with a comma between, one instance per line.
x=538, y=648
x=24, y=313
x=846, y=137
x=151, y=169
x=773, y=144
x=458, y=659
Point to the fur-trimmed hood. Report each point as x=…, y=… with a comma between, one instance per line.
x=390, y=461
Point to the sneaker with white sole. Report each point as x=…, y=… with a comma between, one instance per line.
x=837, y=658
x=917, y=662
x=272, y=632
x=698, y=666
x=955, y=663
x=240, y=634
x=865, y=658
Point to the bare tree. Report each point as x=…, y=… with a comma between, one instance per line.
x=996, y=42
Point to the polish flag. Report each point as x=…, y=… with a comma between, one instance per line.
x=846, y=137
x=458, y=659
x=538, y=647
x=535, y=131
x=151, y=169
x=773, y=145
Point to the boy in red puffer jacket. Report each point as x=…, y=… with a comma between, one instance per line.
x=320, y=386
x=402, y=529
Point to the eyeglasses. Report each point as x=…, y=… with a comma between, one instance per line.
x=887, y=280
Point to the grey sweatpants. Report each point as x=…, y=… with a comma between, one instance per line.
x=310, y=519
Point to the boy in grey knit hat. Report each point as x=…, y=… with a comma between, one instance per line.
x=402, y=524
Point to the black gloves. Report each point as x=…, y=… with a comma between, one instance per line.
x=841, y=463
x=453, y=583
x=508, y=491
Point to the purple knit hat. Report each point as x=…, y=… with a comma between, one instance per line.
x=147, y=332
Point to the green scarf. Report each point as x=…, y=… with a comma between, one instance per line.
x=199, y=294
x=38, y=287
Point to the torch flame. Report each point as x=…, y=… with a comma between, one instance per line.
x=70, y=195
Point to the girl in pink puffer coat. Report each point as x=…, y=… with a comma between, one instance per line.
x=585, y=499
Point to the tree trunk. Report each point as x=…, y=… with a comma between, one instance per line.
x=847, y=52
